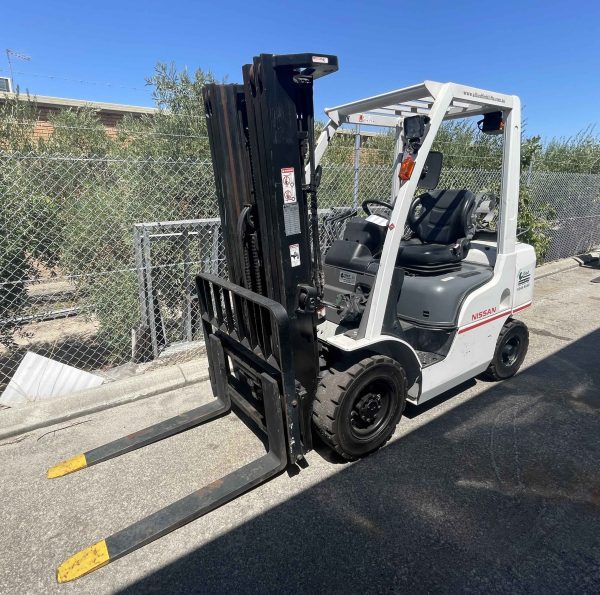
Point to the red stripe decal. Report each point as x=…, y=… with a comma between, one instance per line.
x=521, y=307
x=508, y=312
x=468, y=328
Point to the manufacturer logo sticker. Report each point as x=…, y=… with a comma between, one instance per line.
x=483, y=313
x=523, y=279
x=348, y=277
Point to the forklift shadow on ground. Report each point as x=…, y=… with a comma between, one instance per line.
x=501, y=493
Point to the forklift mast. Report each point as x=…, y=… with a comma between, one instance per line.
x=260, y=325
x=262, y=141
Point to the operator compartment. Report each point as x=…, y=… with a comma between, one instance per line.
x=436, y=275
x=432, y=300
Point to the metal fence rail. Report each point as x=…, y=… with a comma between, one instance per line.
x=93, y=248
x=168, y=255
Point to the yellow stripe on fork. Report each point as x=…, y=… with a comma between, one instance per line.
x=69, y=466
x=83, y=562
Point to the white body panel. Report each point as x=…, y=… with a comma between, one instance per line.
x=481, y=318
x=470, y=354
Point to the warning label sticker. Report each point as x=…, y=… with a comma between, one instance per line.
x=291, y=219
x=321, y=59
x=288, y=181
x=295, y=254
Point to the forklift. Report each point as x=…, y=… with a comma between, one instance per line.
x=412, y=300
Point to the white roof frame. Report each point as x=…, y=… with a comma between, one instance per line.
x=385, y=109
x=390, y=109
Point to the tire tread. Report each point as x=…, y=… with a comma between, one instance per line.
x=492, y=371
x=331, y=391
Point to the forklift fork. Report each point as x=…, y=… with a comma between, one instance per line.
x=229, y=330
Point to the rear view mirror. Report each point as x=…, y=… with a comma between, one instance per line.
x=414, y=127
x=432, y=169
x=492, y=123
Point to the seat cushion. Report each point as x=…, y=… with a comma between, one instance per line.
x=417, y=254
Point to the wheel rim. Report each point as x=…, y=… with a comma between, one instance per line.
x=371, y=409
x=510, y=351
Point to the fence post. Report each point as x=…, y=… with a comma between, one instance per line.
x=530, y=171
x=187, y=322
x=150, y=292
x=215, y=250
x=356, y=166
x=139, y=266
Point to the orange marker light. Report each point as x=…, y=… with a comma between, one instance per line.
x=406, y=168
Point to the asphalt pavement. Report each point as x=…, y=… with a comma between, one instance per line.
x=494, y=487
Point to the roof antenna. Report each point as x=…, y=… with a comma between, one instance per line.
x=16, y=56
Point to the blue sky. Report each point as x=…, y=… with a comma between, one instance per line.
x=548, y=52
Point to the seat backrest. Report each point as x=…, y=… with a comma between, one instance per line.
x=443, y=216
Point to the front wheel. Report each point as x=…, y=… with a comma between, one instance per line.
x=356, y=410
x=511, y=349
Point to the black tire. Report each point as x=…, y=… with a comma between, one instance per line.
x=356, y=410
x=511, y=349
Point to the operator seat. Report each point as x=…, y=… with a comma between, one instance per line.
x=443, y=225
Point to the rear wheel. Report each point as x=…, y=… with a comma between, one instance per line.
x=356, y=410
x=511, y=349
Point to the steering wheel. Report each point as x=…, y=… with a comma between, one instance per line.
x=366, y=203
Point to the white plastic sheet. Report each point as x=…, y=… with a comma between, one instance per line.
x=39, y=378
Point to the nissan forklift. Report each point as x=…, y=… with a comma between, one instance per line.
x=412, y=300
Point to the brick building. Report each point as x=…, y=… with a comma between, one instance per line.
x=110, y=114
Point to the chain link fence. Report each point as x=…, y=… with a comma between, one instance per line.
x=98, y=255
x=575, y=201
x=68, y=274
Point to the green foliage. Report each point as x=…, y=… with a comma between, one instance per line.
x=14, y=269
x=69, y=202
x=16, y=134
x=530, y=148
x=98, y=249
x=17, y=120
x=77, y=132
x=577, y=154
x=464, y=147
x=533, y=222
x=178, y=130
